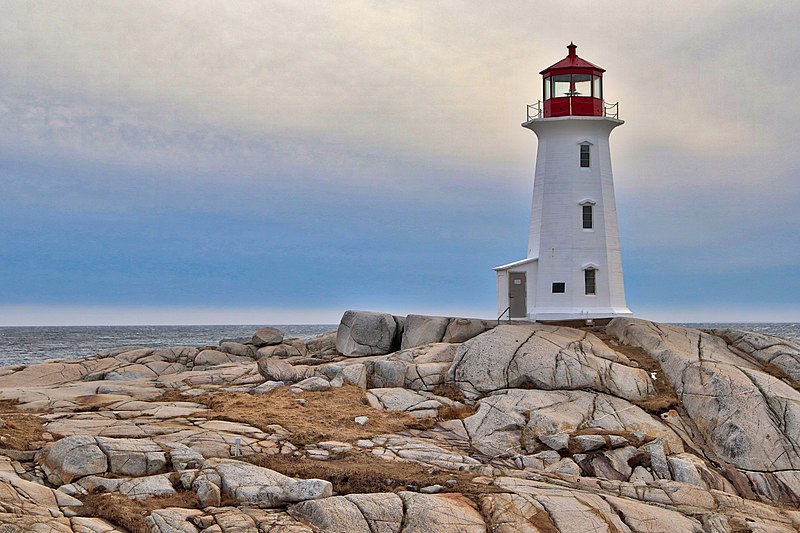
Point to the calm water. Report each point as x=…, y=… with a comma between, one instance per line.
x=787, y=330
x=33, y=344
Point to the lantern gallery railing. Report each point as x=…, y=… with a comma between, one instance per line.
x=535, y=110
x=609, y=110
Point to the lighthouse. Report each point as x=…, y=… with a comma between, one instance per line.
x=573, y=269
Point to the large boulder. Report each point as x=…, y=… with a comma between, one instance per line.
x=545, y=357
x=463, y=329
x=283, y=350
x=74, y=457
x=354, y=513
x=267, y=337
x=277, y=370
x=140, y=488
x=238, y=348
x=133, y=457
x=218, y=357
x=343, y=372
x=391, y=513
x=366, y=333
x=253, y=485
x=77, y=456
x=443, y=513
x=418, y=404
x=420, y=329
x=420, y=368
x=172, y=520
x=322, y=345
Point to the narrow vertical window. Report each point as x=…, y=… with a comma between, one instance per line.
x=597, y=87
x=588, y=222
x=590, y=280
x=585, y=155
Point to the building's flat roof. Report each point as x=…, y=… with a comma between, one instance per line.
x=517, y=263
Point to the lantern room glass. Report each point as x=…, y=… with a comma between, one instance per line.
x=561, y=86
x=581, y=85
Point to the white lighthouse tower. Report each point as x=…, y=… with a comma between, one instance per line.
x=574, y=268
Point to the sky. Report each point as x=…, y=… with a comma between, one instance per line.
x=171, y=162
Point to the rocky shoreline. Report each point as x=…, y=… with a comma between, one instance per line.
x=411, y=424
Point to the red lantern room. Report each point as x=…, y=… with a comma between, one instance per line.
x=573, y=87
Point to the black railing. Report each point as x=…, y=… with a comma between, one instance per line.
x=507, y=310
x=611, y=110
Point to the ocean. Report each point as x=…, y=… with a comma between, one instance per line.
x=32, y=344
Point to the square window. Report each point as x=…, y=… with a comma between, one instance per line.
x=559, y=287
x=585, y=156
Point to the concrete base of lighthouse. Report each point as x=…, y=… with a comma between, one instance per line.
x=516, y=297
x=556, y=314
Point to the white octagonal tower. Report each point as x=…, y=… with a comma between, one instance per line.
x=574, y=267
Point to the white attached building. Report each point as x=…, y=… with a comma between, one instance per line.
x=574, y=267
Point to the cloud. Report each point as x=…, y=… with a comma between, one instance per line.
x=392, y=126
x=436, y=81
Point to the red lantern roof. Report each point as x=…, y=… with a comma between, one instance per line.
x=573, y=63
x=572, y=87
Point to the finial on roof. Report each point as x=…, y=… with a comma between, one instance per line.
x=571, y=49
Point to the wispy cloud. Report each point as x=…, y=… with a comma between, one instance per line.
x=381, y=130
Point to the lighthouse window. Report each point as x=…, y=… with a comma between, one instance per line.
x=582, y=84
x=585, y=155
x=597, y=87
x=590, y=280
x=587, y=217
x=561, y=86
x=559, y=287
x=547, y=88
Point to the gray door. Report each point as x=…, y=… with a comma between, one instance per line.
x=517, y=294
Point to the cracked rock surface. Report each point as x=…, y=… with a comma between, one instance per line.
x=745, y=417
x=548, y=358
x=467, y=426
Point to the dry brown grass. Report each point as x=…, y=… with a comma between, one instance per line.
x=324, y=416
x=21, y=430
x=130, y=514
x=8, y=406
x=450, y=391
x=449, y=412
x=361, y=473
x=543, y=522
x=665, y=397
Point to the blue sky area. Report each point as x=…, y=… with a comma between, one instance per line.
x=276, y=162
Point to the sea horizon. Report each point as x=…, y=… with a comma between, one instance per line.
x=33, y=344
